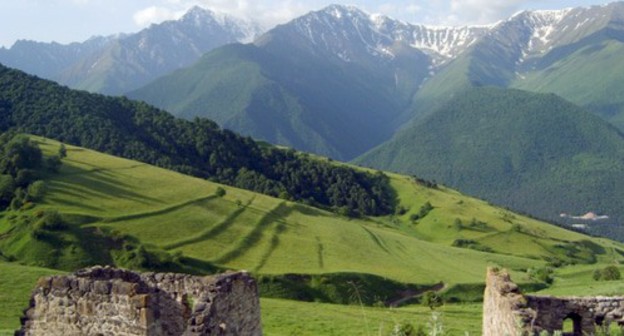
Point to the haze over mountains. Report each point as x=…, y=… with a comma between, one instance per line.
x=116, y=64
x=354, y=86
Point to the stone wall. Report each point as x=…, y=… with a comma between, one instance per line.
x=108, y=301
x=506, y=311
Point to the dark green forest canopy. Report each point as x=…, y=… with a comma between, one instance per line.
x=533, y=153
x=137, y=131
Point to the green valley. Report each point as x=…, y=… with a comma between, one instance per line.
x=131, y=214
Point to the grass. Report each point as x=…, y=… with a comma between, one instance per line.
x=282, y=317
x=586, y=77
x=279, y=317
x=244, y=230
x=171, y=212
x=16, y=284
x=578, y=281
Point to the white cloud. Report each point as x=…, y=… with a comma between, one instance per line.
x=268, y=13
x=272, y=12
x=154, y=14
x=481, y=11
x=413, y=9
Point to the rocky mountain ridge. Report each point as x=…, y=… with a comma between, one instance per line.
x=117, y=64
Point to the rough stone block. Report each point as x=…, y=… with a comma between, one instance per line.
x=108, y=301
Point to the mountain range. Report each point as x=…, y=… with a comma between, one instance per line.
x=354, y=86
x=116, y=64
x=335, y=82
x=301, y=81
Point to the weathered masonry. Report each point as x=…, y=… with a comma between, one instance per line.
x=506, y=311
x=108, y=301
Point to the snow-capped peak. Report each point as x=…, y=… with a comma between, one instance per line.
x=545, y=23
x=340, y=11
x=203, y=17
x=336, y=27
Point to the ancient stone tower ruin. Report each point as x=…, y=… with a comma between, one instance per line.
x=506, y=311
x=108, y=301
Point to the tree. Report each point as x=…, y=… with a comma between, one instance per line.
x=432, y=300
x=7, y=188
x=36, y=190
x=53, y=163
x=62, y=152
x=19, y=154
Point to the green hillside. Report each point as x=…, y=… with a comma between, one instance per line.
x=127, y=213
x=167, y=211
x=590, y=76
x=16, y=284
x=140, y=132
x=531, y=152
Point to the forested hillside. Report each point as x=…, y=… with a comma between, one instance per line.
x=138, y=131
x=536, y=153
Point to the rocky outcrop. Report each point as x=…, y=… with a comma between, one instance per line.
x=108, y=301
x=506, y=311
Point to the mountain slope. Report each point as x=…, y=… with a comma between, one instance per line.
x=171, y=212
x=172, y=218
x=531, y=152
x=47, y=60
x=571, y=52
x=138, y=131
x=333, y=82
x=120, y=64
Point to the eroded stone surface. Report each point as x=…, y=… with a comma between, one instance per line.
x=109, y=301
x=506, y=311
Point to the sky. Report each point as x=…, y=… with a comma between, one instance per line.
x=66, y=21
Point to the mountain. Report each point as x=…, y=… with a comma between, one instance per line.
x=119, y=64
x=571, y=52
x=47, y=60
x=141, y=132
x=334, y=82
x=536, y=153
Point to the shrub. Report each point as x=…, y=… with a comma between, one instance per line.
x=62, y=153
x=543, y=274
x=51, y=220
x=422, y=213
x=37, y=190
x=608, y=273
x=53, y=163
x=432, y=300
x=404, y=329
x=220, y=192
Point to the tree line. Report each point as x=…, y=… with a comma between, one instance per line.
x=137, y=131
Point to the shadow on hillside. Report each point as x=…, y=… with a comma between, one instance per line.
x=97, y=184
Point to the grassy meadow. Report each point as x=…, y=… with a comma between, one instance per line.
x=102, y=196
x=16, y=284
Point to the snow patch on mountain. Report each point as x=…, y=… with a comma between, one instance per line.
x=337, y=27
x=544, y=23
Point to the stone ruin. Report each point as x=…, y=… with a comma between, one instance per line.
x=507, y=312
x=109, y=301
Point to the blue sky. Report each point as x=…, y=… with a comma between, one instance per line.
x=66, y=21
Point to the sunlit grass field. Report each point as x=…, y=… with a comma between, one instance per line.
x=268, y=236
